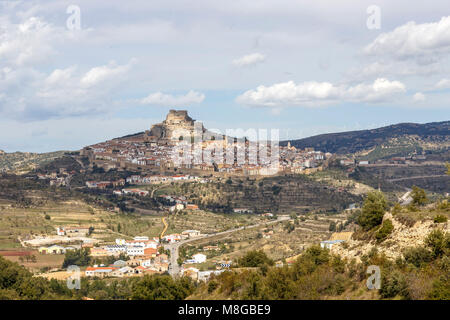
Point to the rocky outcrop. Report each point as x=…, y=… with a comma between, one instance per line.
x=401, y=238
x=176, y=121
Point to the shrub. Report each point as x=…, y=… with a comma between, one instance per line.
x=212, y=285
x=417, y=256
x=441, y=289
x=443, y=205
x=397, y=208
x=393, y=284
x=440, y=218
x=438, y=242
x=276, y=190
x=384, y=231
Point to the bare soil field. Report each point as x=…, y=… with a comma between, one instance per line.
x=42, y=261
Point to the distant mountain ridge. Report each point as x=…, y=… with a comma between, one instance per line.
x=362, y=140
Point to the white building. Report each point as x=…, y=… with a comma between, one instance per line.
x=191, y=233
x=60, y=231
x=172, y=238
x=177, y=207
x=135, y=251
x=120, y=241
x=199, y=258
x=141, y=238
x=329, y=243
x=116, y=248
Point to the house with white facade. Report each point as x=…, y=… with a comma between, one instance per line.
x=199, y=258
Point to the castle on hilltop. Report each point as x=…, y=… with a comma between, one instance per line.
x=165, y=131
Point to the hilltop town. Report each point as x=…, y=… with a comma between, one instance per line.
x=153, y=151
x=128, y=209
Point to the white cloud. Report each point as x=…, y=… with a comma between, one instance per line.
x=162, y=99
x=319, y=93
x=249, y=60
x=27, y=42
x=419, y=97
x=380, y=90
x=443, y=84
x=30, y=94
x=413, y=40
x=58, y=76
x=393, y=68
x=104, y=73
x=33, y=41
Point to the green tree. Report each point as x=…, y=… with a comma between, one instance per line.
x=418, y=195
x=161, y=287
x=373, y=210
x=384, y=231
x=332, y=226
x=255, y=259
x=79, y=257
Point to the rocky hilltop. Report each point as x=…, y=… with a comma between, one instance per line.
x=176, y=120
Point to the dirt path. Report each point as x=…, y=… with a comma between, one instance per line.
x=165, y=227
x=416, y=177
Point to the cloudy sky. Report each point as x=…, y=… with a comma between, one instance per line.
x=303, y=67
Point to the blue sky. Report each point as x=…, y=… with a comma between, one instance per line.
x=302, y=67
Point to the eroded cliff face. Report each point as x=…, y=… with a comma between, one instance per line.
x=401, y=238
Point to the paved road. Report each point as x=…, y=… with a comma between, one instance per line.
x=175, y=269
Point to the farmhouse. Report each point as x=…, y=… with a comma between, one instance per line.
x=100, y=272
x=54, y=250
x=191, y=233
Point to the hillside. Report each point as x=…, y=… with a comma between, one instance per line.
x=22, y=162
x=394, y=140
x=412, y=256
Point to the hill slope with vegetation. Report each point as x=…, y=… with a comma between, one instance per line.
x=22, y=162
x=419, y=269
x=394, y=140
